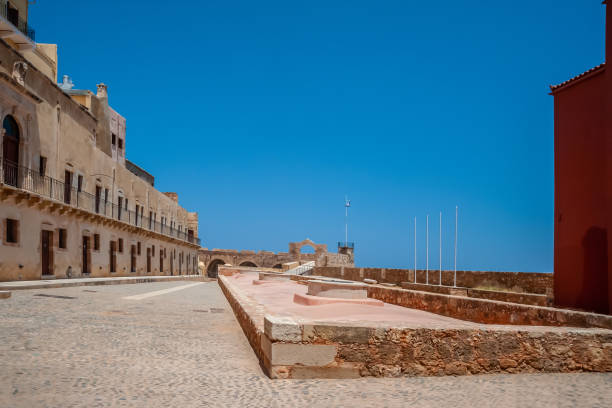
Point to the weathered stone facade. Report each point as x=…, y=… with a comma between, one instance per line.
x=211, y=259
x=68, y=205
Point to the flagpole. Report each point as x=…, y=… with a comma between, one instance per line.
x=427, y=250
x=440, y=278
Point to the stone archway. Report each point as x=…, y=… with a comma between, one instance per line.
x=213, y=267
x=295, y=248
x=248, y=263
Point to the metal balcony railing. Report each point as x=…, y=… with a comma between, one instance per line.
x=17, y=21
x=32, y=181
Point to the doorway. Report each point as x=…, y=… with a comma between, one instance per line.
x=113, y=256
x=86, y=255
x=47, y=252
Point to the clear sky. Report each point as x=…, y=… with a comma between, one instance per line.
x=262, y=115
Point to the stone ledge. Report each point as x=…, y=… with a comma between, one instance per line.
x=5, y=294
x=488, y=311
x=349, y=349
x=64, y=283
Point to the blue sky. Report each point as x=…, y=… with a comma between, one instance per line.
x=263, y=115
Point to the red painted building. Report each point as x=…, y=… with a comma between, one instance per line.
x=583, y=187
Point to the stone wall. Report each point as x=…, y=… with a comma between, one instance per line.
x=211, y=258
x=293, y=349
x=487, y=311
x=526, y=282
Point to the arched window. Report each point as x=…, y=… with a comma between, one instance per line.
x=10, y=150
x=11, y=129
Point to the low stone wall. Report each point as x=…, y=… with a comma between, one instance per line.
x=487, y=311
x=290, y=348
x=525, y=282
x=513, y=297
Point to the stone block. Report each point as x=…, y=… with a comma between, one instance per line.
x=343, y=371
x=289, y=354
x=338, y=333
x=280, y=328
x=370, y=281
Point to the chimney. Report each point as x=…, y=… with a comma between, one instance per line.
x=102, y=91
x=172, y=196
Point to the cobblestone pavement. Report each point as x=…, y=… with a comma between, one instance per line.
x=90, y=347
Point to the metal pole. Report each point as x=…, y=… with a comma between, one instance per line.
x=427, y=250
x=456, y=217
x=415, y=251
x=440, y=278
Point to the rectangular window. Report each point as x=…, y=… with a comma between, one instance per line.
x=63, y=238
x=138, y=247
x=120, y=245
x=137, y=213
x=79, y=183
x=42, y=166
x=96, y=242
x=67, y=186
x=119, y=207
x=153, y=249
x=12, y=231
x=113, y=139
x=120, y=145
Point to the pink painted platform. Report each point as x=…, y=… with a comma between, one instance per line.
x=278, y=299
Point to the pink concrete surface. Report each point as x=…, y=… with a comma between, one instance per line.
x=310, y=300
x=277, y=299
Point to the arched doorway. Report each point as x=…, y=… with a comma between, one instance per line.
x=248, y=263
x=278, y=266
x=10, y=150
x=213, y=268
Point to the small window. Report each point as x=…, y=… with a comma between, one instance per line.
x=79, y=183
x=63, y=238
x=153, y=249
x=12, y=231
x=106, y=194
x=114, y=139
x=42, y=166
x=120, y=245
x=96, y=242
x=164, y=252
x=138, y=250
x=120, y=145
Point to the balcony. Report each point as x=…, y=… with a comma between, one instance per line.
x=24, y=179
x=13, y=27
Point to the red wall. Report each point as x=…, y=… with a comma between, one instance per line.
x=581, y=189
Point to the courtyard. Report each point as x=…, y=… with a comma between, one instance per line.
x=178, y=344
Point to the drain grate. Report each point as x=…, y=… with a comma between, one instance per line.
x=55, y=296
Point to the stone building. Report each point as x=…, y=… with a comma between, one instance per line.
x=71, y=204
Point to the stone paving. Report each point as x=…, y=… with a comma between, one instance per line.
x=90, y=347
